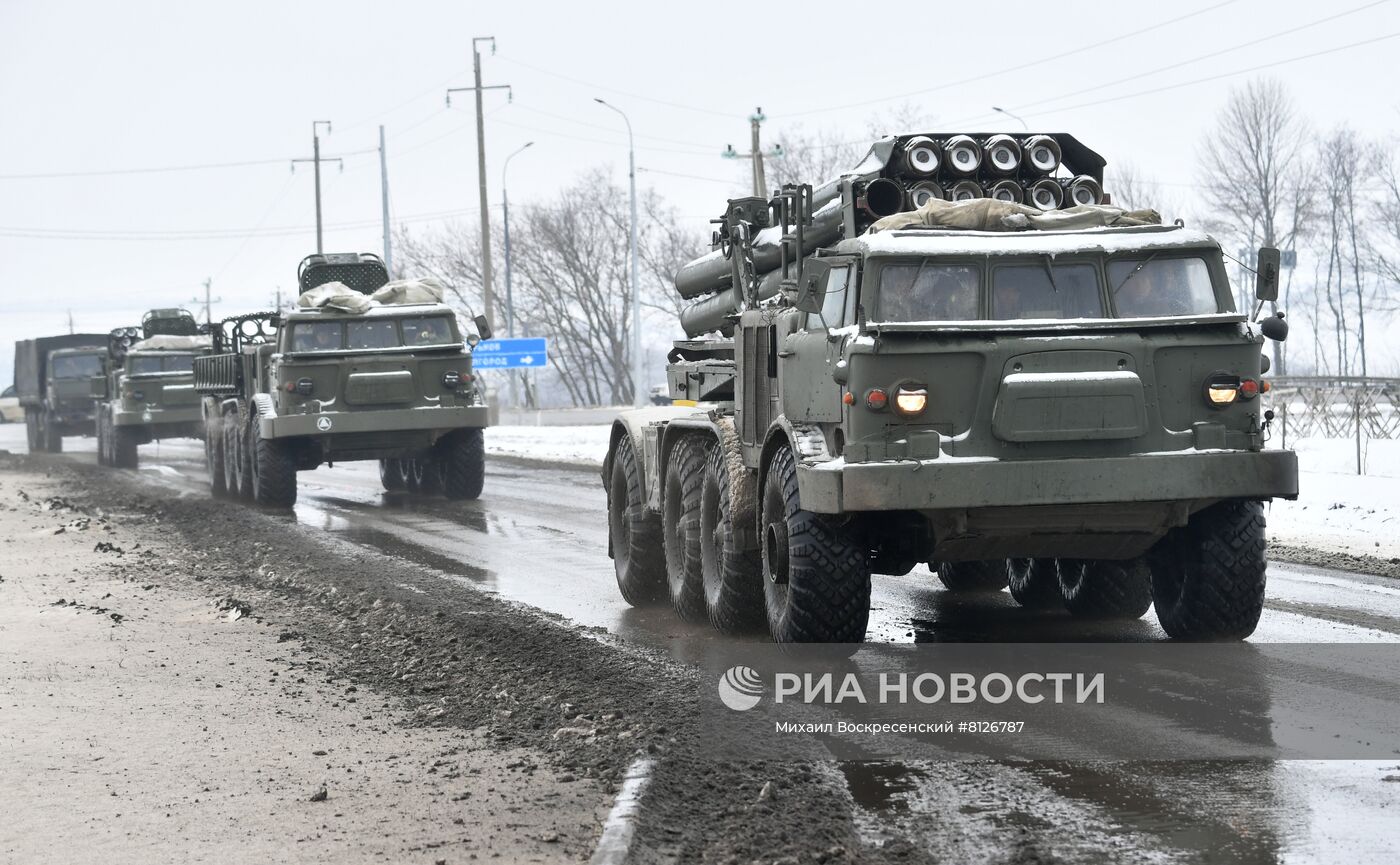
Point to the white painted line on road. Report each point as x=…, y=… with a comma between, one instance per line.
x=621, y=825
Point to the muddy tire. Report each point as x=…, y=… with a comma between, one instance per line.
x=730, y=572
x=274, y=471
x=1208, y=578
x=122, y=451
x=680, y=527
x=391, y=475
x=977, y=576
x=634, y=532
x=102, y=442
x=232, y=429
x=816, y=575
x=214, y=459
x=53, y=440
x=1104, y=589
x=34, y=431
x=1034, y=583
x=462, y=455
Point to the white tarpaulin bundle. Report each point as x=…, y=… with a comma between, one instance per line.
x=164, y=342
x=989, y=214
x=334, y=295
x=425, y=290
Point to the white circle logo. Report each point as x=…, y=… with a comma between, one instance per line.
x=740, y=688
x=323, y=423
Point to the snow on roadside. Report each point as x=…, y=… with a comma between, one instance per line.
x=585, y=445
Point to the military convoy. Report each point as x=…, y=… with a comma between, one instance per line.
x=149, y=391
x=956, y=354
x=363, y=369
x=58, y=380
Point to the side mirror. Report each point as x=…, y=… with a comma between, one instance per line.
x=1266, y=274
x=483, y=326
x=1274, y=327
x=811, y=286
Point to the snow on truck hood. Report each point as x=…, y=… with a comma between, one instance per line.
x=928, y=241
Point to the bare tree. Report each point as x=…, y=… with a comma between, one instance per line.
x=817, y=155
x=1133, y=189
x=1385, y=248
x=1255, y=165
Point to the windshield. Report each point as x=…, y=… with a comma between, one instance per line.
x=77, y=366
x=929, y=292
x=318, y=336
x=427, y=330
x=149, y=364
x=1161, y=286
x=1046, y=290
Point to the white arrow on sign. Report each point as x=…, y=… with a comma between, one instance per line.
x=528, y=360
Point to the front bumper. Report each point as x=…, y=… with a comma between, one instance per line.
x=950, y=483
x=329, y=424
x=157, y=416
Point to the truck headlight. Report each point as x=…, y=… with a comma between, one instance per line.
x=910, y=400
x=1222, y=390
x=138, y=395
x=452, y=379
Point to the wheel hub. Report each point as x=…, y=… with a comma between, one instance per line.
x=775, y=553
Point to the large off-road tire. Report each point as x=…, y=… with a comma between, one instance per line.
x=462, y=455
x=816, y=575
x=680, y=526
x=214, y=459
x=232, y=434
x=976, y=576
x=391, y=475
x=103, y=444
x=730, y=572
x=274, y=471
x=1208, y=578
x=1034, y=583
x=53, y=439
x=123, y=447
x=34, y=431
x=634, y=532
x=427, y=476
x=1105, y=589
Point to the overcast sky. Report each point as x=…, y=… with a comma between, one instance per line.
x=108, y=87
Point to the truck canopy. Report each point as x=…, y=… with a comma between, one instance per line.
x=32, y=358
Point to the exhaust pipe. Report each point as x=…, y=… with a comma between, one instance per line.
x=965, y=190
x=962, y=155
x=1045, y=194
x=1083, y=189
x=921, y=157
x=882, y=197
x=1002, y=154
x=1042, y=153
x=1007, y=190
x=923, y=192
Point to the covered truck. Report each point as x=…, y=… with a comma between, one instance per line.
x=958, y=354
x=58, y=380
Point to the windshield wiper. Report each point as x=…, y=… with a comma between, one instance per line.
x=1050, y=272
x=1134, y=272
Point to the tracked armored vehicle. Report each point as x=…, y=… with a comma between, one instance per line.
x=344, y=377
x=957, y=354
x=149, y=391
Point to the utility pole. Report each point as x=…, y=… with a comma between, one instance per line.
x=639, y=387
x=316, y=158
x=755, y=154
x=70, y=322
x=208, y=301
x=488, y=290
x=384, y=202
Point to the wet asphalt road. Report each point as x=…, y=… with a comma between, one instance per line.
x=539, y=536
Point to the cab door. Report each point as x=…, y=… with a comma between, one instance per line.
x=809, y=356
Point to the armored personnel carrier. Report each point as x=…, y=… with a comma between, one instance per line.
x=149, y=392
x=959, y=354
x=363, y=369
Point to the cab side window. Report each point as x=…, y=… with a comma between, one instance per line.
x=837, y=301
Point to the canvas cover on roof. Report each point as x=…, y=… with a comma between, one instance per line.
x=167, y=342
x=989, y=214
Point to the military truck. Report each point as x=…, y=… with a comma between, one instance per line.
x=149, y=393
x=58, y=380
x=352, y=379
x=956, y=354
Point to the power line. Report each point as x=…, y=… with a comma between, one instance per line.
x=649, y=148
x=591, y=86
x=609, y=128
x=112, y=172
x=213, y=234
x=689, y=176
x=1028, y=64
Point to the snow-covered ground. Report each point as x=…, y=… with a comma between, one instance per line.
x=1337, y=510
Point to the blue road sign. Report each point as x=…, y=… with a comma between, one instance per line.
x=521, y=353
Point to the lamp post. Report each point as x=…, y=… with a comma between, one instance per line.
x=638, y=394
x=1015, y=117
x=505, y=218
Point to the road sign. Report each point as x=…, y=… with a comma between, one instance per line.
x=521, y=353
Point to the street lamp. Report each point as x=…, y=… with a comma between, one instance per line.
x=505, y=217
x=638, y=396
x=1012, y=116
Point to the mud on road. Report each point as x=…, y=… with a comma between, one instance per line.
x=583, y=706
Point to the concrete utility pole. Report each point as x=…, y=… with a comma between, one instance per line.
x=384, y=202
x=207, y=301
x=639, y=387
x=755, y=154
x=316, y=159
x=488, y=290
x=70, y=322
